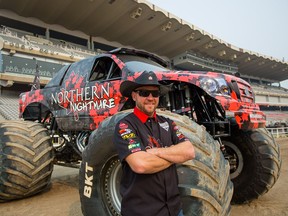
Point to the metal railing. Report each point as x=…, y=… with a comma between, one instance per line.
x=279, y=132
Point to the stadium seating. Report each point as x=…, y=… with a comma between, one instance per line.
x=203, y=63
x=55, y=49
x=9, y=107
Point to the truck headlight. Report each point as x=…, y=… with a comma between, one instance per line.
x=209, y=85
x=214, y=86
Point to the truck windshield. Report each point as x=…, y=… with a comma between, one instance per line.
x=137, y=64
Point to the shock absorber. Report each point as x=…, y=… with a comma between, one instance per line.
x=172, y=101
x=182, y=99
x=222, y=148
x=53, y=128
x=188, y=103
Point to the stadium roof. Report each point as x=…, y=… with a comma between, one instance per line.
x=140, y=24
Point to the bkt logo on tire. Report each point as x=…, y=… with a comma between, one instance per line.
x=88, y=181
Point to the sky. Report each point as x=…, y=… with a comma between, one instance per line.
x=257, y=25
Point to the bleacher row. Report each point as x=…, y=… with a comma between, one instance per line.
x=269, y=89
x=32, y=43
x=217, y=65
x=9, y=107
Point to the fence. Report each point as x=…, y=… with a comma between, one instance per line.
x=279, y=132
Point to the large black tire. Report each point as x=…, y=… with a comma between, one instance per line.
x=204, y=182
x=255, y=163
x=26, y=159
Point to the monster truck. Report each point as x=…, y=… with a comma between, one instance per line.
x=71, y=121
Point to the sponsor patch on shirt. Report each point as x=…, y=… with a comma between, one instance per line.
x=128, y=136
x=179, y=134
x=132, y=141
x=136, y=150
x=164, y=125
x=123, y=125
x=135, y=147
x=125, y=131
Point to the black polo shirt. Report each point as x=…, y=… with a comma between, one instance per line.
x=147, y=194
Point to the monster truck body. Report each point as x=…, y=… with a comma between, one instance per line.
x=80, y=99
x=86, y=93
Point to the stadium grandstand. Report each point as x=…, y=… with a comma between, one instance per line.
x=34, y=37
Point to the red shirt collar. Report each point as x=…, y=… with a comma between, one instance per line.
x=142, y=116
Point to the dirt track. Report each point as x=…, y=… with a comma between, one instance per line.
x=63, y=198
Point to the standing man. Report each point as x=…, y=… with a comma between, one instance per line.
x=149, y=146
